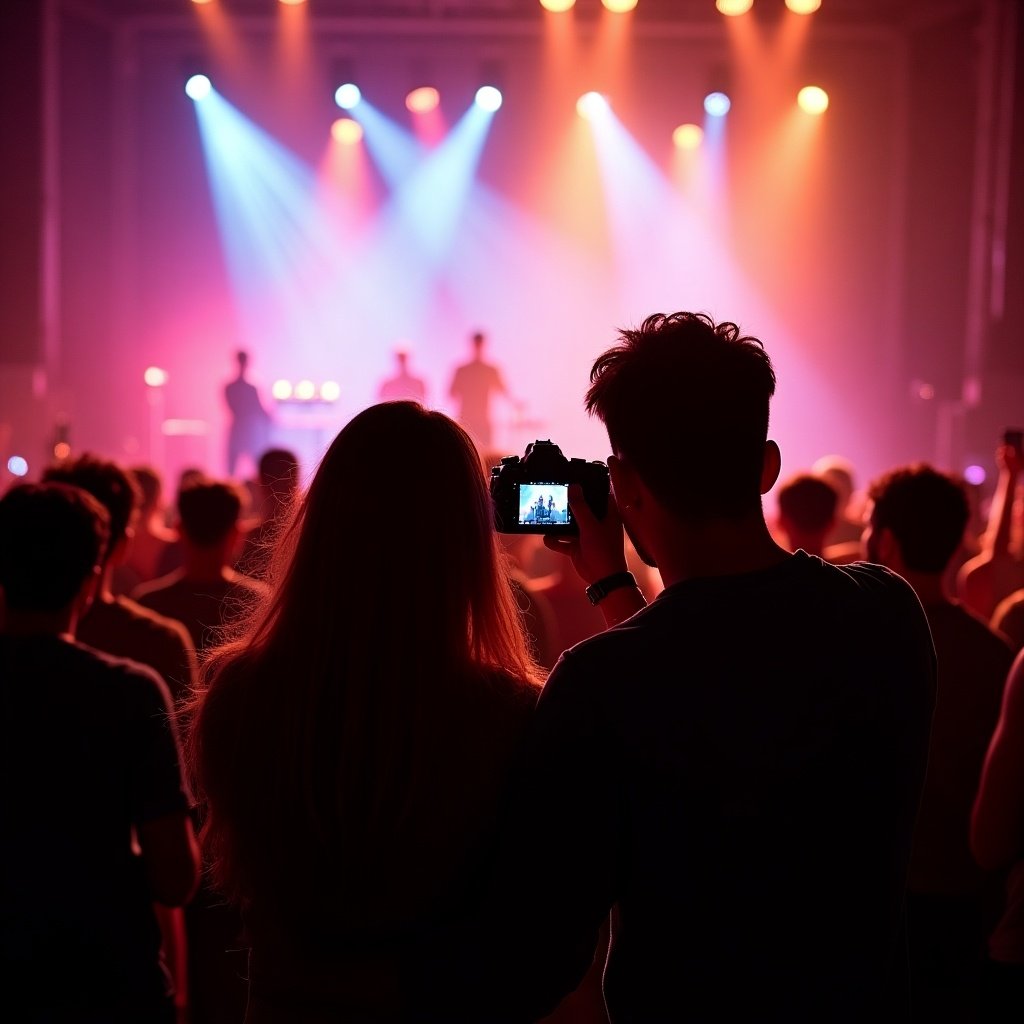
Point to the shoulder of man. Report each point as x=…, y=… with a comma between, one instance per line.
x=128, y=671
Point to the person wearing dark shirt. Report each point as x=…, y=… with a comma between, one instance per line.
x=277, y=487
x=473, y=385
x=916, y=521
x=807, y=510
x=707, y=770
x=96, y=804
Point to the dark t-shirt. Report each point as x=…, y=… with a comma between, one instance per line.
x=89, y=753
x=736, y=769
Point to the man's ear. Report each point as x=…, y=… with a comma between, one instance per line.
x=888, y=548
x=771, y=467
x=625, y=483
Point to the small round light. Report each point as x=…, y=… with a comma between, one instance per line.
x=347, y=96
x=61, y=450
x=291, y=3
x=591, y=104
x=557, y=6
x=423, y=100
x=305, y=390
x=346, y=131
x=281, y=390
x=688, y=136
x=717, y=104
x=330, y=391
x=732, y=8
x=975, y=475
x=803, y=6
x=812, y=99
x=488, y=97
x=198, y=87
x=17, y=465
x=619, y=6
x=155, y=377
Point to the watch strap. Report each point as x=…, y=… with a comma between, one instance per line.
x=601, y=588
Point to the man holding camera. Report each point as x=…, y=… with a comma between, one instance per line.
x=712, y=769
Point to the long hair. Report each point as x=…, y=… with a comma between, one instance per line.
x=389, y=603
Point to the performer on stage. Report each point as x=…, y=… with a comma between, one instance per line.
x=403, y=384
x=472, y=387
x=249, y=431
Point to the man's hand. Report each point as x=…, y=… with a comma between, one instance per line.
x=599, y=550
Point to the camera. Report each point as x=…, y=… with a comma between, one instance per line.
x=531, y=494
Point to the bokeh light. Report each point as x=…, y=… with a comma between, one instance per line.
x=812, y=99
x=557, y=6
x=347, y=96
x=291, y=3
x=346, y=131
x=488, y=97
x=61, y=450
x=330, y=391
x=717, y=104
x=619, y=6
x=281, y=390
x=688, y=136
x=975, y=475
x=155, y=377
x=803, y=6
x=590, y=104
x=734, y=7
x=198, y=87
x=17, y=465
x=423, y=100
x=305, y=390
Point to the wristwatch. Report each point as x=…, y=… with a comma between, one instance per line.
x=599, y=590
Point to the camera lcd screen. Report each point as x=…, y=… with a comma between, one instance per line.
x=544, y=505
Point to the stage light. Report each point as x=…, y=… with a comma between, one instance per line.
x=305, y=390
x=347, y=96
x=61, y=450
x=199, y=3
x=17, y=465
x=198, y=87
x=281, y=390
x=732, y=8
x=423, y=100
x=975, y=475
x=488, y=97
x=155, y=377
x=330, y=391
x=291, y=3
x=557, y=6
x=590, y=104
x=619, y=6
x=803, y=6
x=812, y=99
x=688, y=136
x=346, y=131
x=717, y=104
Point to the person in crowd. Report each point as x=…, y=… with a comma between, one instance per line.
x=997, y=842
x=706, y=766
x=404, y=384
x=114, y=623
x=352, y=739
x=1008, y=618
x=473, y=385
x=250, y=423
x=277, y=487
x=849, y=522
x=98, y=812
x=917, y=516
x=998, y=569
x=172, y=556
x=206, y=591
x=807, y=512
x=151, y=536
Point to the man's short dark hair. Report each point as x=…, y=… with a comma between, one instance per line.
x=279, y=471
x=808, y=502
x=150, y=485
x=208, y=509
x=111, y=485
x=926, y=511
x=52, y=535
x=685, y=401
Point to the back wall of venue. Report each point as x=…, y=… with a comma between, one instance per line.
x=874, y=245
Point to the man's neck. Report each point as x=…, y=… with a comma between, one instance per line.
x=205, y=565
x=719, y=548
x=930, y=587
x=56, y=624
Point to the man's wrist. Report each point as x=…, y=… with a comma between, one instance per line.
x=601, y=588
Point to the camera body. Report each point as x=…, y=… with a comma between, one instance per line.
x=531, y=494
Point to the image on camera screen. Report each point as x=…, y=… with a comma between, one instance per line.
x=544, y=504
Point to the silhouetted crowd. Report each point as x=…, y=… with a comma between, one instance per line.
x=267, y=761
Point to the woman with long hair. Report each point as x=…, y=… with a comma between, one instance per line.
x=351, y=740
